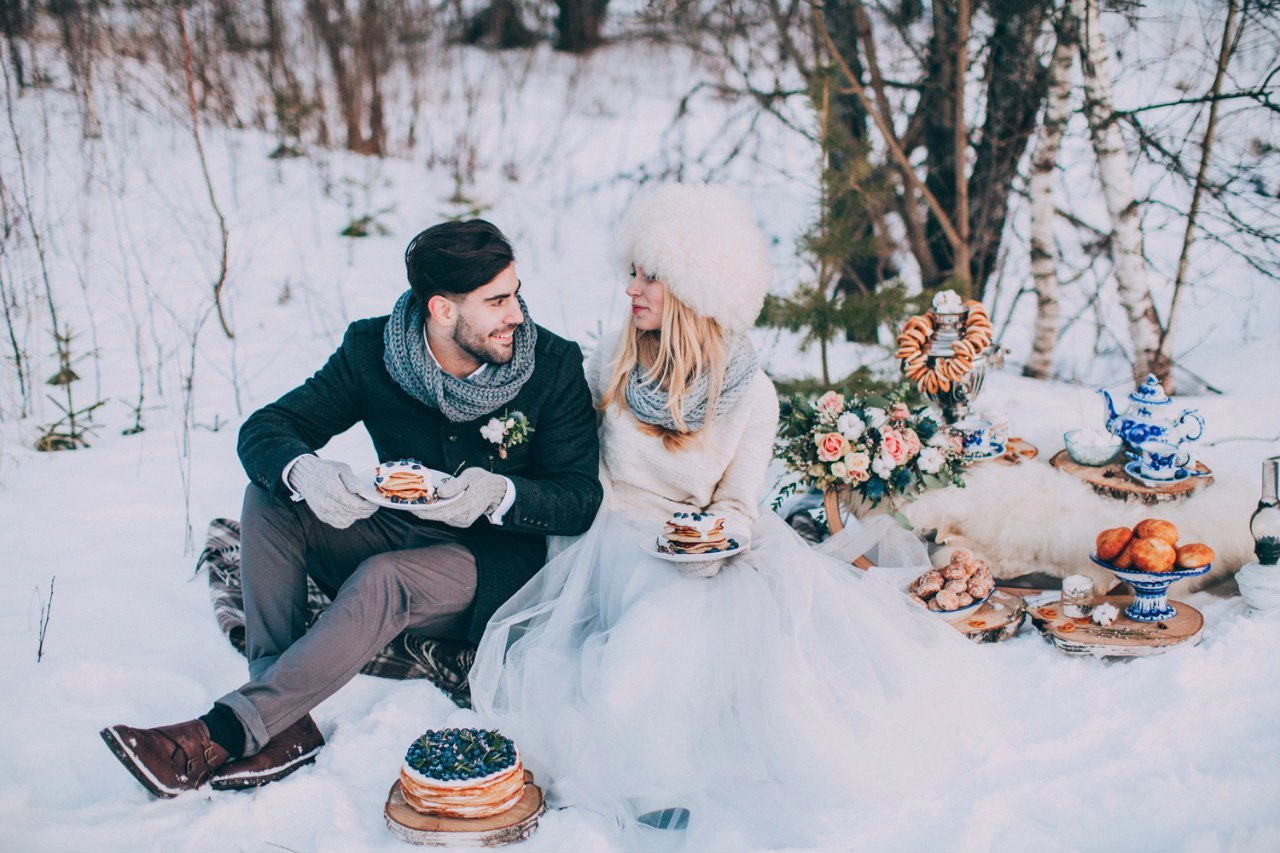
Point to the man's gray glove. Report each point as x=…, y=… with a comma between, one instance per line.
x=474, y=492
x=329, y=488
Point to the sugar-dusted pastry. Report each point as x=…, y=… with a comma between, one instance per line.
x=1156, y=528
x=927, y=584
x=1194, y=556
x=1153, y=555
x=1112, y=542
x=949, y=599
x=981, y=584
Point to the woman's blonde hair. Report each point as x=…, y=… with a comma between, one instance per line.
x=685, y=347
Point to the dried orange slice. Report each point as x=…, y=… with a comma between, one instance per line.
x=977, y=623
x=1066, y=627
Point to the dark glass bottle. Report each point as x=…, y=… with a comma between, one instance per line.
x=1264, y=524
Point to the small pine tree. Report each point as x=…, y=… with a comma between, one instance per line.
x=837, y=238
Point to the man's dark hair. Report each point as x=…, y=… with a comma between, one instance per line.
x=455, y=258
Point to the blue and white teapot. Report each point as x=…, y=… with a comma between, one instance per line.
x=1150, y=417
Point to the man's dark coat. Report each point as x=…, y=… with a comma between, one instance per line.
x=555, y=471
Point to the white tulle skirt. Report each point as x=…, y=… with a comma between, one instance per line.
x=775, y=700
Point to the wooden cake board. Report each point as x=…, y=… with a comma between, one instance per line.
x=1123, y=638
x=515, y=824
x=999, y=618
x=1111, y=481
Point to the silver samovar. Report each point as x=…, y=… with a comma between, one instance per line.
x=948, y=316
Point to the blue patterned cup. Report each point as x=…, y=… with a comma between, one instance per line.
x=1161, y=460
x=977, y=437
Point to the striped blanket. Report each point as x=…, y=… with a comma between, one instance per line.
x=443, y=663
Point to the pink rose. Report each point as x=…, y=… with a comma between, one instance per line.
x=899, y=412
x=911, y=441
x=831, y=402
x=892, y=444
x=832, y=446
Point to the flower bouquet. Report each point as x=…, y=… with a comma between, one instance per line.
x=877, y=448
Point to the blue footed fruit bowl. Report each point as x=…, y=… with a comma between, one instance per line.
x=1151, y=590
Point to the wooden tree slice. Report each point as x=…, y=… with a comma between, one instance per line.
x=999, y=618
x=1123, y=638
x=1111, y=481
x=515, y=824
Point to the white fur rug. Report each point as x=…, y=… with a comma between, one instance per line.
x=1032, y=517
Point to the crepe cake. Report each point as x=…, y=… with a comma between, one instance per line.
x=462, y=773
x=695, y=533
x=404, y=481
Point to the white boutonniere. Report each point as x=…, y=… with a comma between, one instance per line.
x=507, y=430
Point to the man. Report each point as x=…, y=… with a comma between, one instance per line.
x=458, y=350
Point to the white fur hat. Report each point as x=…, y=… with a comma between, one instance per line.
x=704, y=243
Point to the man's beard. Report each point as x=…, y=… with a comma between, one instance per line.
x=480, y=346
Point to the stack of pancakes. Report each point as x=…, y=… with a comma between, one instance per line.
x=404, y=481
x=694, y=533
x=462, y=773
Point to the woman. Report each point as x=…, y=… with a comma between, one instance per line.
x=739, y=705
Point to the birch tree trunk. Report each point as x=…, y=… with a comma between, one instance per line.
x=1044, y=159
x=1230, y=37
x=1117, y=188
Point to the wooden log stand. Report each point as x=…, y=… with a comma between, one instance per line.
x=1123, y=638
x=515, y=824
x=999, y=618
x=1112, y=482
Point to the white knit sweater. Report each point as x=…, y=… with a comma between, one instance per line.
x=722, y=473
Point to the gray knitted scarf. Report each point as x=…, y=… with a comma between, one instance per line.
x=651, y=405
x=457, y=399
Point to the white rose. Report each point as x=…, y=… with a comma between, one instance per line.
x=850, y=426
x=875, y=417
x=839, y=470
x=930, y=460
x=882, y=466
x=494, y=431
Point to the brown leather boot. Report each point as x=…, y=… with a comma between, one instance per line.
x=295, y=747
x=167, y=760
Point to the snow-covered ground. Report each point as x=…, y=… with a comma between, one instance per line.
x=1170, y=753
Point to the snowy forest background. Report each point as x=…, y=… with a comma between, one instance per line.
x=197, y=198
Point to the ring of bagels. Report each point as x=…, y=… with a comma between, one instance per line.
x=917, y=339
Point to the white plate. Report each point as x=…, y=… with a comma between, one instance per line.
x=651, y=548
x=369, y=491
